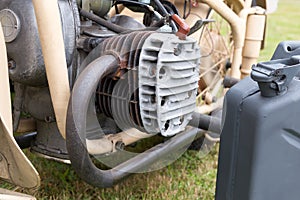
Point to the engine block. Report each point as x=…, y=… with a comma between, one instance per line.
x=157, y=89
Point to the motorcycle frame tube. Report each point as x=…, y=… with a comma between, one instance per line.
x=52, y=43
x=238, y=4
x=256, y=23
x=238, y=27
x=237, y=19
x=5, y=101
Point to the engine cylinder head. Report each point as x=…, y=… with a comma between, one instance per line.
x=155, y=88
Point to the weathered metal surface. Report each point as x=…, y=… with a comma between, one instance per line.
x=168, y=83
x=14, y=166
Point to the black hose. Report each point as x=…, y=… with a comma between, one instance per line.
x=117, y=28
x=103, y=22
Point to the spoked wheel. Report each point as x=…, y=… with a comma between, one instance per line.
x=216, y=50
x=216, y=46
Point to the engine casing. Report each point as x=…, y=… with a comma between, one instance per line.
x=24, y=52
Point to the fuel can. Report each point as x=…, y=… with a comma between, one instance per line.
x=259, y=155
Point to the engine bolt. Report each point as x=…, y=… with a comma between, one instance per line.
x=11, y=64
x=178, y=50
x=120, y=145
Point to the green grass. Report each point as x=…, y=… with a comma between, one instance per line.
x=281, y=26
x=190, y=177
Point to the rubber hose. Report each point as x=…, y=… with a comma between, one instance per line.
x=103, y=22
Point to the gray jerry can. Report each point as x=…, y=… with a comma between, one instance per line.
x=260, y=142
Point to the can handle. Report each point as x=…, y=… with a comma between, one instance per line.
x=273, y=77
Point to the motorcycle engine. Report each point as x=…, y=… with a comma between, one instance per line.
x=154, y=89
x=157, y=89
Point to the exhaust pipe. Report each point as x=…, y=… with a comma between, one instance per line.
x=76, y=132
x=206, y=122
